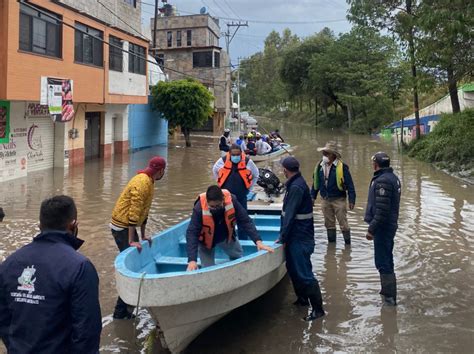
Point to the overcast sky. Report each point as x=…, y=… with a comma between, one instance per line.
x=268, y=15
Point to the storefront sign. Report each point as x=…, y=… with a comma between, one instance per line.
x=60, y=100
x=4, y=122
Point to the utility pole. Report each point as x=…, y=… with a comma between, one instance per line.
x=229, y=37
x=154, y=27
x=238, y=93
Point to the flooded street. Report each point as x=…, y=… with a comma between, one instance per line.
x=434, y=252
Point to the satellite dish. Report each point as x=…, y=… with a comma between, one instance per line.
x=203, y=10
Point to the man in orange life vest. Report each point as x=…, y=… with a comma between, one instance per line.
x=236, y=173
x=212, y=224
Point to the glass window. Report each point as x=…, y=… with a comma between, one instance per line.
x=136, y=59
x=115, y=54
x=202, y=59
x=40, y=31
x=131, y=2
x=217, y=59
x=178, y=38
x=169, y=38
x=88, y=46
x=189, y=37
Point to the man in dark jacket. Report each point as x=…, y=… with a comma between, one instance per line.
x=212, y=225
x=332, y=179
x=49, y=293
x=382, y=216
x=297, y=234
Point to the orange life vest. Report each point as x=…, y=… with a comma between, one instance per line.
x=244, y=173
x=208, y=225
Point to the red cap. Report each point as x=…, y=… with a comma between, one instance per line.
x=156, y=164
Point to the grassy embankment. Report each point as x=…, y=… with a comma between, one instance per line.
x=450, y=146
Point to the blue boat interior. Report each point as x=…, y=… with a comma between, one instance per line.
x=167, y=253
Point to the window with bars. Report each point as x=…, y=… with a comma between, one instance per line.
x=115, y=54
x=178, y=38
x=40, y=33
x=169, y=38
x=136, y=59
x=189, y=37
x=88, y=46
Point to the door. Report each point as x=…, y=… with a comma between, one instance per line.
x=40, y=138
x=92, y=135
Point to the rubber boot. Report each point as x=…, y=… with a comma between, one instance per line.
x=331, y=235
x=121, y=311
x=316, y=300
x=389, y=289
x=347, y=237
x=301, y=298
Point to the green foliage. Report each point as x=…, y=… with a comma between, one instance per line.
x=450, y=143
x=185, y=103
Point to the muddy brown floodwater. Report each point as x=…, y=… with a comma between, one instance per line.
x=434, y=250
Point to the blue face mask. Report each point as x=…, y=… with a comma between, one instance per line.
x=235, y=159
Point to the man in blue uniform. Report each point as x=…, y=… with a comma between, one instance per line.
x=49, y=293
x=382, y=216
x=297, y=235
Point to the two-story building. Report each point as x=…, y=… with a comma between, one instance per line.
x=96, y=45
x=189, y=46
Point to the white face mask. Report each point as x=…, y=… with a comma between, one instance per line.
x=325, y=160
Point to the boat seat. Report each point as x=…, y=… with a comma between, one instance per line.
x=182, y=260
x=265, y=216
x=250, y=243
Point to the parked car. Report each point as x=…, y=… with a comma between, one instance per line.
x=251, y=123
x=244, y=116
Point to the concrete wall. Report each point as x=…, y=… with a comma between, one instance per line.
x=125, y=82
x=130, y=15
x=146, y=128
x=466, y=100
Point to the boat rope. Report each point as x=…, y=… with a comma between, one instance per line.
x=136, y=308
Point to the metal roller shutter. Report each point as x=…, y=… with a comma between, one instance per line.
x=40, y=140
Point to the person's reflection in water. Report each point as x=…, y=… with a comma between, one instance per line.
x=335, y=284
x=388, y=317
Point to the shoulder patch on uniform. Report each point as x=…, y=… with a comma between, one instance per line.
x=382, y=191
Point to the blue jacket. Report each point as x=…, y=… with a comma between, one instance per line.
x=49, y=298
x=331, y=191
x=243, y=220
x=297, y=214
x=383, y=202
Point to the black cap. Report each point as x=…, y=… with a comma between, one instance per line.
x=382, y=159
x=291, y=164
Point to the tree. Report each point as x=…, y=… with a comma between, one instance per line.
x=446, y=43
x=400, y=18
x=184, y=103
x=354, y=72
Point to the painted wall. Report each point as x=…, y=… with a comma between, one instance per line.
x=13, y=156
x=145, y=127
x=126, y=83
x=24, y=70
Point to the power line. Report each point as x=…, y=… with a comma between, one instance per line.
x=113, y=45
x=231, y=9
x=128, y=25
x=309, y=22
